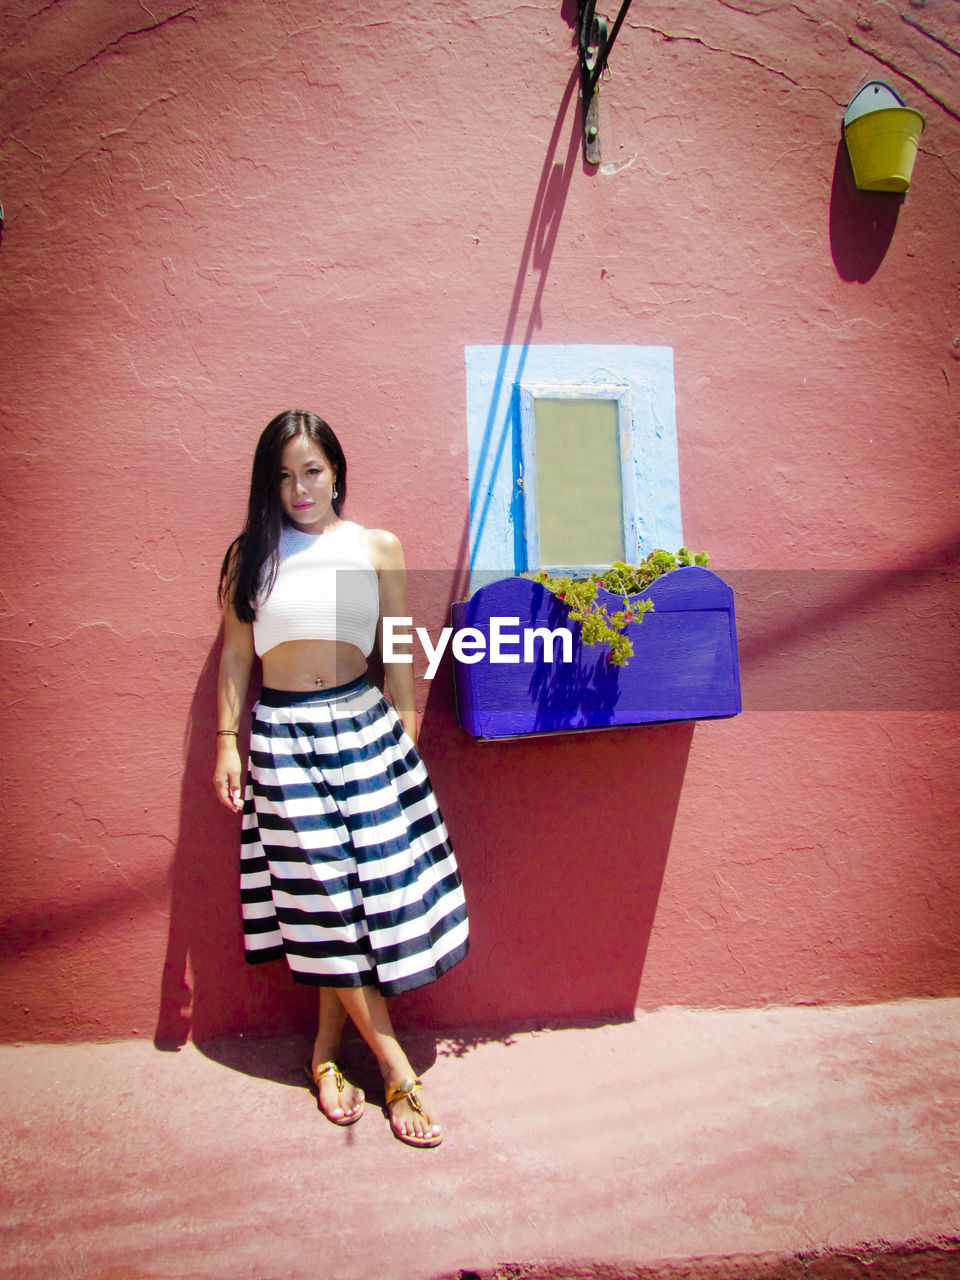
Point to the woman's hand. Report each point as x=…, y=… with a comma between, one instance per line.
x=236, y=663
x=386, y=556
x=228, y=774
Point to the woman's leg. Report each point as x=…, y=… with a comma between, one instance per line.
x=326, y=1047
x=368, y=1011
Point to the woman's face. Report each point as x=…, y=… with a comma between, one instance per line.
x=306, y=485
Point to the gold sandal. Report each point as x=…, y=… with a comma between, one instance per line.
x=406, y=1091
x=315, y=1077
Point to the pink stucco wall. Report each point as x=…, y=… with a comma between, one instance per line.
x=220, y=209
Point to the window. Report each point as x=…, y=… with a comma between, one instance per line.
x=577, y=476
x=573, y=457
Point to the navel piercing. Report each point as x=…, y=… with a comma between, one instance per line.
x=319, y=683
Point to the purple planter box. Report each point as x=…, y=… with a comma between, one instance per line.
x=684, y=664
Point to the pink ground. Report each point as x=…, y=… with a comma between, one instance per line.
x=822, y=1143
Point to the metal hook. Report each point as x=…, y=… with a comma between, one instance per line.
x=595, y=44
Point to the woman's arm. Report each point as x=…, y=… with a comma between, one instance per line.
x=387, y=559
x=236, y=663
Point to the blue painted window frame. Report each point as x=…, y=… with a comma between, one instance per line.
x=494, y=375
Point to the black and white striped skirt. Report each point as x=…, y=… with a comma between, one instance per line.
x=346, y=866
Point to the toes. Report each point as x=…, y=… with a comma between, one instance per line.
x=419, y=1127
x=412, y=1123
x=331, y=1106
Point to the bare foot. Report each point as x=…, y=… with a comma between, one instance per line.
x=411, y=1116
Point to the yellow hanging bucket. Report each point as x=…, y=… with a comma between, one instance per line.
x=882, y=136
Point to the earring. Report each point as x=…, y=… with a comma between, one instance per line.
x=335, y=493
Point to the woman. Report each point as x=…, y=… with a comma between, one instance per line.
x=346, y=867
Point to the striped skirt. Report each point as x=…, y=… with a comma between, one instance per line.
x=346, y=866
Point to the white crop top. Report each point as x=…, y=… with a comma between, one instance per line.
x=325, y=589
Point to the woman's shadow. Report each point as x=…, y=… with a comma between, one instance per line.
x=207, y=991
x=252, y=1018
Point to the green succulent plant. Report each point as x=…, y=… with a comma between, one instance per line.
x=597, y=624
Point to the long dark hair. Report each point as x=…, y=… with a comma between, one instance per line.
x=250, y=562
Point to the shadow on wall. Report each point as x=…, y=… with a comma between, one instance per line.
x=852, y=639
x=563, y=842
x=207, y=987
x=556, y=174
x=862, y=223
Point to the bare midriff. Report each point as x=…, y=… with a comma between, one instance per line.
x=302, y=665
